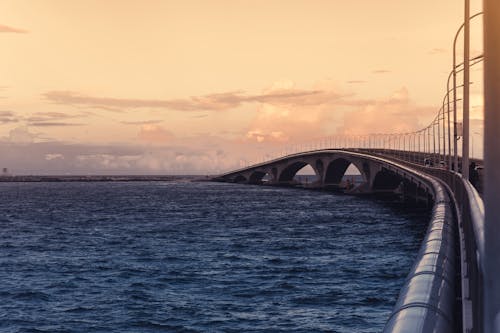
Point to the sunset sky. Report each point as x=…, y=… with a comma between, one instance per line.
x=169, y=87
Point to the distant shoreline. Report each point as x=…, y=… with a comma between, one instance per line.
x=102, y=178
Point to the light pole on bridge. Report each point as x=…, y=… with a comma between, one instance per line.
x=465, y=142
x=467, y=19
x=491, y=260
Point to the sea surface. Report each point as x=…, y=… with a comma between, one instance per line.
x=199, y=257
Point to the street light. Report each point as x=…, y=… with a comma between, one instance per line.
x=491, y=260
x=465, y=26
x=453, y=73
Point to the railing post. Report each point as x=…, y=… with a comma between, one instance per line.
x=429, y=140
x=491, y=260
x=455, y=131
x=425, y=141
x=439, y=135
x=434, y=141
x=449, y=125
x=444, y=135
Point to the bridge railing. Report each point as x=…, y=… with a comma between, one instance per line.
x=470, y=218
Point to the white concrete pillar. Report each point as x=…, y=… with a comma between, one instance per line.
x=491, y=261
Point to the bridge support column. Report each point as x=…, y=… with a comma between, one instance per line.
x=374, y=170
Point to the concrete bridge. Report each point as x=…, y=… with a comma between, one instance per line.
x=443, y=292
x=378, y=168
x=454, y=285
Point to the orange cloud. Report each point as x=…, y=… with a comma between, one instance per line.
x=5, y=28
x=21, y=135
x=211, y=102
x=141, y=122
x=278, y=124
x=155, y=134
x=8, y=117
x=282, y=123
x=396, y=114
x=54, y=124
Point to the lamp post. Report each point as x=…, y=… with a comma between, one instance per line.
x=455, y=134
x=434, y=141
x=465, y=141
x=491, y=260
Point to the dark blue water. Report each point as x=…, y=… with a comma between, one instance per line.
x=198, y=257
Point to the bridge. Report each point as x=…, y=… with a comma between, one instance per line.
x=428, y=299
x=454, y=284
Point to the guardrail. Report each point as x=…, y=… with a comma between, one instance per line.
x=469, y=212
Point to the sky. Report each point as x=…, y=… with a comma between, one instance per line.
x=199, y=87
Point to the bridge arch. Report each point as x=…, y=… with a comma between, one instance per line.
x=289, y=172
x=239, y=179
x=337, y=168
x=387, y=180
x=258, y=176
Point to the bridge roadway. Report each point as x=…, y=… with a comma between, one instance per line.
x=443, y=292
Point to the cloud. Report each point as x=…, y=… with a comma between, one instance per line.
x=278, y=123
x=54, y=124
x=53, y=116
x=82, y=159
x=53, y=119
x=381, y=71
x=154, y=134
x=356, y=81
x=309, y=117
x=141, y=122
x=49, y=157
x=275, y=125
x=211, y=102
x=5, y=28
x=8, y=117
x=260, y=136
x=395, y=114
x=282, y=115
x=21, y=135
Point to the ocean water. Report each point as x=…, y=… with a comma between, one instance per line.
x=199, y=257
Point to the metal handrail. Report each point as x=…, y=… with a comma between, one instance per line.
x=471, y=210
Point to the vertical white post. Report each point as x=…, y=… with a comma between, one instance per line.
x=424, y=140
x=455, y=131
x=434, y=141
x=491, y=260
x=465, y=137
x=449, y=127
x=429, y=140
x=444, y=135
x=439, y=135
x=417, y=148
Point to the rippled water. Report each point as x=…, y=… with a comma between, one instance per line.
x=199, y=257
